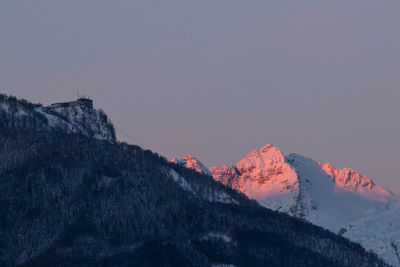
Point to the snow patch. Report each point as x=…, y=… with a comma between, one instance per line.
x=214, y=235
x=216, y=196
x=222, y=197
x=180, y=180
x=193, y=163
x=4, y=107
x=375, y=231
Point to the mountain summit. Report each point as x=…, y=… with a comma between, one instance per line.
x=262, y=174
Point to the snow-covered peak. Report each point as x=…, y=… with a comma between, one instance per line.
x=303, y=187
x=261, y=159
x=263, y=174
x=192, y=163
x=349, y=179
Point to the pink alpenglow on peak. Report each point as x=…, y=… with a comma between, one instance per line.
x=349, y=179
x=192, y=163
x=303, y=187
x=263, y=175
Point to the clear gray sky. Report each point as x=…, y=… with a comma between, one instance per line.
x=218, y=78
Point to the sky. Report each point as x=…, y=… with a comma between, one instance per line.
x=219, y=78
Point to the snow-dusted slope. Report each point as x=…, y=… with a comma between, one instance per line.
x=211, y=194
x=77, y=119
x=324, y=202
x=376, y=231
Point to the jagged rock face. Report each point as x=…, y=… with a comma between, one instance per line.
x=263, y=175
x=266, y=173
x=349, y=179
x=227, y=175
x=82, y=119
x=77, y=119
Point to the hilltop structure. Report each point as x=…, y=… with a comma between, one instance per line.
x=82, y=101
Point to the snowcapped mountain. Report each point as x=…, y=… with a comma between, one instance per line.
x=299, y=186
x=320, y=193
x=262, y=175
x=77, y=118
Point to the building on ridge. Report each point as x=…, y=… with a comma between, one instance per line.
x=82, y=101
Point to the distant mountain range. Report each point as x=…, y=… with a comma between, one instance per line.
x=72, y=195
x=343, y=201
